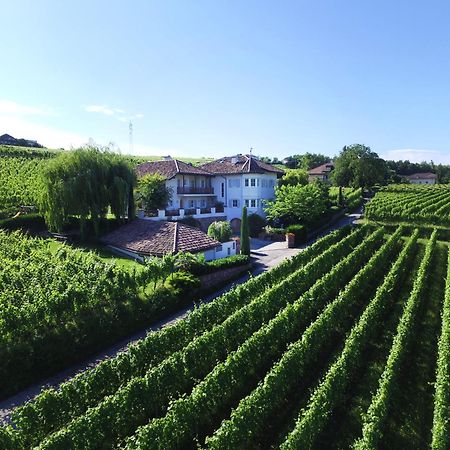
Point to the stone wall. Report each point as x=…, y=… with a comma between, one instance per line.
x=216, y=279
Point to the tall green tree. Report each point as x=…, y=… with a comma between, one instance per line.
x=306, y=161
x=293, y=177
x=152, y=192
x=298, y=204
x=245, y=237
x=358, y=166
x=86, y=183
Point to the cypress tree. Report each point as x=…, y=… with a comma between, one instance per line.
x=245, y=238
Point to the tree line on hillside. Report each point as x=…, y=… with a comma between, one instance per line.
x=358, y=166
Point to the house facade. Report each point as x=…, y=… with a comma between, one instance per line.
x=422, y=178
x=321, y=173
x=218, y=189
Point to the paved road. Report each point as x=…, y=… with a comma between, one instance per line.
x=264, y=254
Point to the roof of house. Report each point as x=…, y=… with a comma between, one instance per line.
x=239, y=164
x=169, y=168
x=148, y=237
x=7, y=137
x=422, y=176
x=322, y=169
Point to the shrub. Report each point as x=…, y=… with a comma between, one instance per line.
x=256, y=223
x=190, y=221
x=300, y=233
x=219, y=264
x=31, y=221
x=183, y=281
x=221, y=231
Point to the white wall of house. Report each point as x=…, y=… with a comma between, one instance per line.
x=423, y=181
x=224, y=250
x=234, y=191
x=244, y=190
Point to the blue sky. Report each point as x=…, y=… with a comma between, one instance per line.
x=214, y=78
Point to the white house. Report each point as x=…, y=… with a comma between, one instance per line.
x=422, y=178
x=218, y=189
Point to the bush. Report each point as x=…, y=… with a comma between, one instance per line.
x=183, y=282
x=300, y=233
x=219, y=264
x=190, y=221
x=256, y=223
x=220, y=231
x=31, y=221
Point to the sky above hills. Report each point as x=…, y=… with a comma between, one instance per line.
x=213, y=78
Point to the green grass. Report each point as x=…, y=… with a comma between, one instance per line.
x=104, y=253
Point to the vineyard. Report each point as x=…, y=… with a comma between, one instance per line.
x=417, y=204
x=342, y=345
x=19, y=172
x=54, y=300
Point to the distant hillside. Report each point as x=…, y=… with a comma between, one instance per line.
x=7, y=139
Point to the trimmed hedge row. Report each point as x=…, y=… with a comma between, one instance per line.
x=248, y=420
x=117, y=416
x=190, y=415
x=441, y=420
x=374, y=420
x=331, y=391
x=54, y=408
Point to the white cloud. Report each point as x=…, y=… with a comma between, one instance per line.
x=417, y=155
x=101, y=109
x=116, y=112
x=16, y=109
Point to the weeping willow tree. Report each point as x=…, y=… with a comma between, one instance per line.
x=86, y=183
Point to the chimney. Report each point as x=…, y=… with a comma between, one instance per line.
x=167, y=158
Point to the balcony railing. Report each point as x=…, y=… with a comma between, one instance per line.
x=194, y=190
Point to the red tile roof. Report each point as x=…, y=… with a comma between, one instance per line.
x=149, y=237
x=422, y=176
x=239, y=164
x=322, y=169
x=169, y=168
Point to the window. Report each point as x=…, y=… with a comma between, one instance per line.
x=191, y=203
x=247, y=202
x=219, y=248
x=202, y=183
x=257, y=182
x=253, y=182
x=235, y=203
x=234, y=245
x=253, y=203
x=247, y=182
x=203, y=203
x=223, y=189
x=229, y=251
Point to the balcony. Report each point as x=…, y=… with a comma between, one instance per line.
x=177, y=214
x=193, y=190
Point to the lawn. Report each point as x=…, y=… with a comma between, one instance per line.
x=104, y=253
